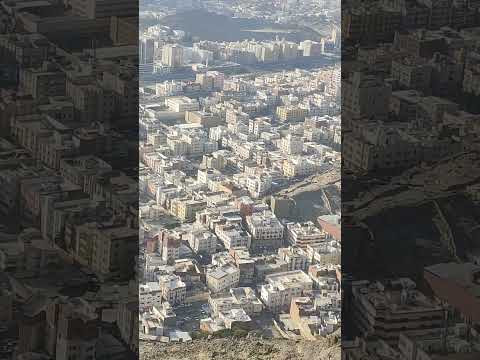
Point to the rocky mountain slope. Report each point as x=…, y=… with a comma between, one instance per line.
x=243, y=349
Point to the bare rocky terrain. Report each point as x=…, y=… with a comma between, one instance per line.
x=243, y=349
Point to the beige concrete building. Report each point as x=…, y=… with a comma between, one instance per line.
x=172, y=55
x=365, y=95
x=281, y=288
x=208, y=120
x=266, y=230
x=289, y=114
x=386, y=310
x=304, y=234
x=222, y=278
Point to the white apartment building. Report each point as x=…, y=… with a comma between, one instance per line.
x=292, y=145
x=295, y=257
x=237, y=298
x=104, y=250
x=259, y=185
x=150, y=293
x=192, y=143
x=217, y=133
x=169, y=88
x=314, y=134
x=304, y=234
x=174, y=290
x=211, y=80
x=156, y=138
x=378, y=145
x=202, y=241
x=266, y=230
x=325, y=277
x=298, y=166
x=152, y=262
x=327, y=252
x=311, y=48
x=365, y=95
x=386, y=310
x=76, y=340
x=172, y=55
x=258, y=125
x=247, y=300
x=234, y=116
x=233, y=235
x=182, y=104
x=204, y=176
x=195, y=143
x=222, y=278
x=45, y=81
x=281, y=287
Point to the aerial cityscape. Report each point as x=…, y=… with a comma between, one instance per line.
x=239, y=179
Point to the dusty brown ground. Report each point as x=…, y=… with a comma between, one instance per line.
x=242, y=349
